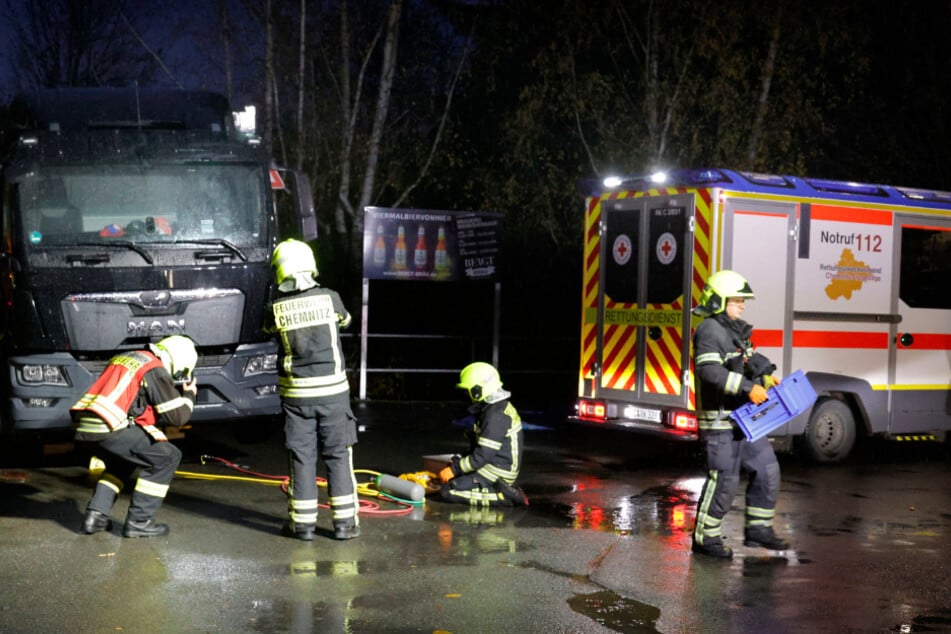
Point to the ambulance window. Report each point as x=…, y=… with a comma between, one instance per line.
x=665, y=254
x=925, y=267
x=622, y=236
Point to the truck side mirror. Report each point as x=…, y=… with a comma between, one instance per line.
x=296, y=217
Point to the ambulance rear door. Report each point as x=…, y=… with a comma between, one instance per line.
x=643, y=346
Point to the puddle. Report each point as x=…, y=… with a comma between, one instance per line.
x=616, y=613
x=275, y=615
x=663, y=510
x=938, y=622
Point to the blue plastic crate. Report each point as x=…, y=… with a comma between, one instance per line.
x=787, y=400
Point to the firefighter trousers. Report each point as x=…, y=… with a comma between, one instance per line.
x=472, y=489
x=323, y=429
x=727, y=457
x=122, y=452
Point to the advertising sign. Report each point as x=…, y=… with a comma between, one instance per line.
x=444, y=246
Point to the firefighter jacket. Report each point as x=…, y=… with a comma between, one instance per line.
x=133, y=388
x=311, y=362
x=725, y=369
x=497, y=443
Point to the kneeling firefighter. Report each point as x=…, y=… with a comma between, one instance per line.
x=119, y=419
x=486, y=475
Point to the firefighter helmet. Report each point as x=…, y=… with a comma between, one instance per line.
x=480, y=381
x=721, y=286
x=293, y=259
x=178, y=355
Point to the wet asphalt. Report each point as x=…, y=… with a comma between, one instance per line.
x=603, y=547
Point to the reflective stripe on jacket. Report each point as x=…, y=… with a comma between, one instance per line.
x=308, y=323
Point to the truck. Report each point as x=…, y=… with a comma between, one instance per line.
x=851, y=286
x=128, y=215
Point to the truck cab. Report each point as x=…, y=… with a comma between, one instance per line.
x=130, y=215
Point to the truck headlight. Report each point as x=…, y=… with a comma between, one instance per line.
x=39, y=374
x=260, y=364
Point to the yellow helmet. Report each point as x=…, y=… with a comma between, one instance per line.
x=721, y=286
x=291, y=258
x=479, y=380
x=178, y=355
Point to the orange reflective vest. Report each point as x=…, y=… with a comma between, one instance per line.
x=114, y=393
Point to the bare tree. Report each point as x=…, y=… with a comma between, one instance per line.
x=769, y=69
x=77, y=43
x=381, y=110
x=226, y=47
x=301, y=87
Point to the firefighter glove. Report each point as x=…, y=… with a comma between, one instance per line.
x=446, y=474
x=758, y=394
x=770, y=381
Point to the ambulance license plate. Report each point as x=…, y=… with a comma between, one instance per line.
x=639, y=413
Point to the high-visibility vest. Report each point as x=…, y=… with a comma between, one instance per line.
x=114, y=393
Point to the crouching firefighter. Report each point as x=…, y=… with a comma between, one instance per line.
x=119, y=420
x=727, y=374
x=315, y=393
x=485, y=476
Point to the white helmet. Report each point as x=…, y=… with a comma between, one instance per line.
x=178, y=355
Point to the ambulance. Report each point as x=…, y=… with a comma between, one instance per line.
x=851, y=283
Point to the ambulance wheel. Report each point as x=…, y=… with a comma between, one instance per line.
x=830, y=432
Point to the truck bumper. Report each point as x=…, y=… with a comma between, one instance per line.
x=226, y=389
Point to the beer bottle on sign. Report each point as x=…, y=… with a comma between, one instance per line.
x=419, y=254
x=379, y=247
x=441, y=263
x=399, y=252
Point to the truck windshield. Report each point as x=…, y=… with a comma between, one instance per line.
x=65, y=206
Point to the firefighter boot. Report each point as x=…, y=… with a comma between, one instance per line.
x=764, y=537
x=346, y=530
x=712, y=548
x=95, y=522
x=303, y=533
x=148, y=528
x=512, y=492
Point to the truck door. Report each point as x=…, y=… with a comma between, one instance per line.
x=644, y=343
x=920, y=370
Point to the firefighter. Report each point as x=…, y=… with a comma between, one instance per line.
x=486, y=475
x=118, y=420
x=315, y=394
x=727, y=373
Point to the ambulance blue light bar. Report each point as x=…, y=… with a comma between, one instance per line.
x=845, y=187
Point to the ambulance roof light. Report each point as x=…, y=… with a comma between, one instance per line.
x=613, y=181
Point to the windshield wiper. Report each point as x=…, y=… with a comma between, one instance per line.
x=125, y=244
x=217, y=241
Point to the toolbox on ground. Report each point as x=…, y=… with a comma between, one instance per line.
x=786, y=401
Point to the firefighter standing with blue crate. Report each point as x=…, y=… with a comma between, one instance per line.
x=727, y=374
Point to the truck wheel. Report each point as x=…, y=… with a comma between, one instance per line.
x=830, y=432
